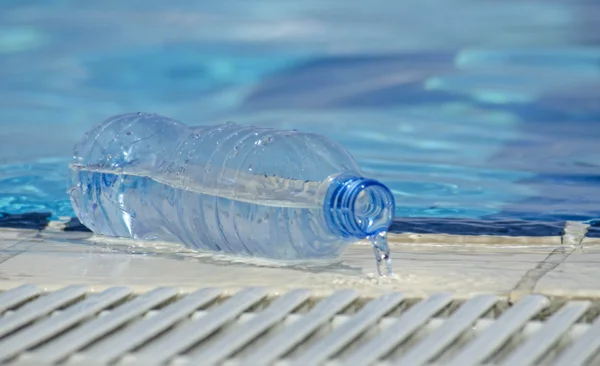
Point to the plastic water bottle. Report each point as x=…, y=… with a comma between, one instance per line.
x=243, y=190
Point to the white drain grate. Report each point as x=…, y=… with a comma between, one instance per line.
x=72, y=326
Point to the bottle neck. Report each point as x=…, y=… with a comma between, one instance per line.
x=358, y=207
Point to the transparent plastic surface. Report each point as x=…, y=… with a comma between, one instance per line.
x=228, y=188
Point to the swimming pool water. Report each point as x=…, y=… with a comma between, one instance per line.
x=467, y=110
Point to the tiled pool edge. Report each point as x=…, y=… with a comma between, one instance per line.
x=510, y=267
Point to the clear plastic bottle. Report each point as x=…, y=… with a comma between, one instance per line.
x=243, y=190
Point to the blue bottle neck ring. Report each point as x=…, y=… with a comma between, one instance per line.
x=356, y=207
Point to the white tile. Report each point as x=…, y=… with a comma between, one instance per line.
x=16, y=234
x=419, y=269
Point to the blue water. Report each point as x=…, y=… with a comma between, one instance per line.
x=484, y=112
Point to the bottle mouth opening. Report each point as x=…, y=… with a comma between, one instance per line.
x=373, y=211
x=359, y=207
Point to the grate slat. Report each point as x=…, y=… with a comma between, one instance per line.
x=16, y=296
x=40, y=307
x=350, y=330
x=452, y=328
x=585, y=347
x=71, y=342
x=408, y=323
x=322, y=313
x=542, y=341
x=193, y=332
x=243, y=335
x=498, y=333
x=143, y=331
x=39, y=332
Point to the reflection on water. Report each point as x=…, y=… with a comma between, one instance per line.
x=467, y=110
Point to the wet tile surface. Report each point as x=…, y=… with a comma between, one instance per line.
x=423, y=264
x=578, y=273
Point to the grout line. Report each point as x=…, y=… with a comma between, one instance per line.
x=573, y=235
x=6, y=257
x=35, y=240
x=527, y=283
